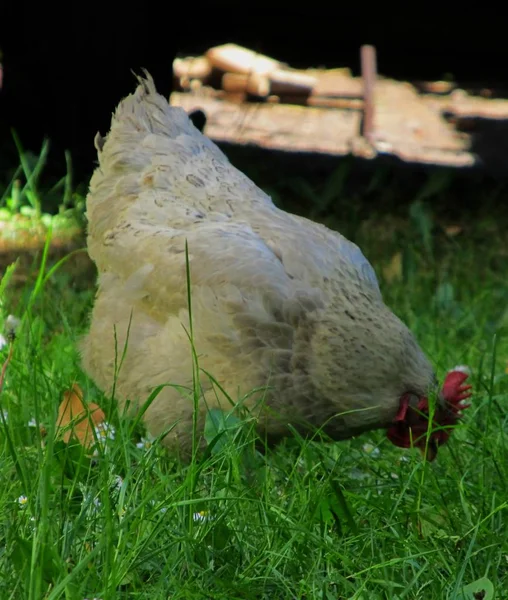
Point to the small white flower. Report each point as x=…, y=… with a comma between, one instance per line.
x=22, y=501
x=202, y=515
x=371, y=450
x=104, y=432
x=11, y=326
x=144, y=444
x=3, y=342
x=32, y=423
x=394, y=475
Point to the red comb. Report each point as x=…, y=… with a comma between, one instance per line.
x=454, y=390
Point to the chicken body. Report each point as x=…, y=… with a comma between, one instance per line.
x=287, y=315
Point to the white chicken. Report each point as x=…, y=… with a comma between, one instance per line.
x=287, y=315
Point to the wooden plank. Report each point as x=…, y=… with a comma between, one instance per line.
x=275, y=126
x=405, y=127
x=459, y=104
x=408, y=128
x=336, y=83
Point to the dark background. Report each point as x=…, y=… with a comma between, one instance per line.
x=65, y=73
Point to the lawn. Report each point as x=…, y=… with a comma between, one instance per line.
x=359, y=520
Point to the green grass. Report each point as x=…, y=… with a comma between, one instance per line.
x=358, y=520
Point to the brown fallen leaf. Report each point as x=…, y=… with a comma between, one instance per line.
x=75, y=418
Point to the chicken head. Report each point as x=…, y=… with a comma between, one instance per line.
x=412, y=422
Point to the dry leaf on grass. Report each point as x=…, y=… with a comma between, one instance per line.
x=77, y=418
